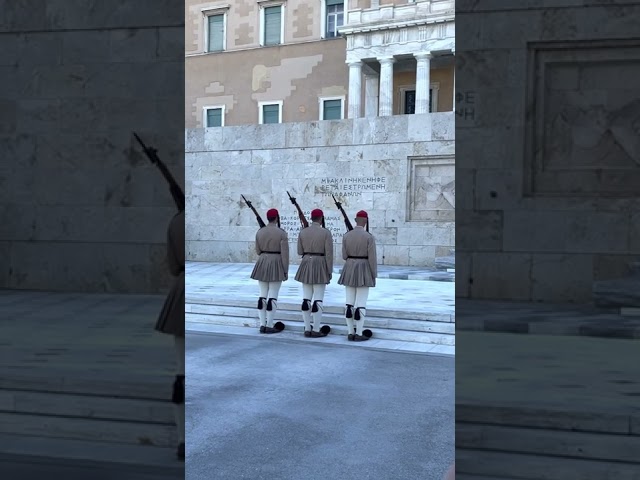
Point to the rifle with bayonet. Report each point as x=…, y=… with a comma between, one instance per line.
x=258, y=218
x=303, y=220
x=347, y=222
x=176, y=191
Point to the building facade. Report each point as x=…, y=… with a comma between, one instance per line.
x=320, y=98
x=278, y=61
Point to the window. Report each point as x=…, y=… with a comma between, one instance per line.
x=213, y=117
x=270, y=112
x=408, y=99
x=216, y=33
x=272, y=25
x=334, y=17
x=332, y=108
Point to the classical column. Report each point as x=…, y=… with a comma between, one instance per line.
x=355, y=89
x=386, y=86
x=453, y=52
x=371, y=95
x=423, y=81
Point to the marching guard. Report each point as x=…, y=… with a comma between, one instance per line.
x=171, y=318
x=358, y=275
x=315, y=244
x=271, y=269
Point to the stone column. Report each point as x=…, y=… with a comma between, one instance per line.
x=423, y=81
x=355, y=89
x=386, y=86
x=371, y=83
x=453, y=52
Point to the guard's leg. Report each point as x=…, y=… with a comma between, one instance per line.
x=307, y=295
x=179, y=393
x=361, y=303
x=317, y=308
x=262, y=305
x=348, y=313
x=272, y=306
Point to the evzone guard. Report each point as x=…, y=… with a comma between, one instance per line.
x=315, y=245
x=271, y=269
x=171, y=318
x=358, y=275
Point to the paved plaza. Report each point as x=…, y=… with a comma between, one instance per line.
x=392, y=298
x=261, y=410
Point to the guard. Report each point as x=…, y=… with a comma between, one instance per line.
x=271, y=269
x=315, y=244
x=358, y=275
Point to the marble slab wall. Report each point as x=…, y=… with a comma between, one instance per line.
x=548, y=149
x=81, y=207
x=400, y=169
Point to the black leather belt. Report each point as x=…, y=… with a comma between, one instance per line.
x=271, y=252
x=358, y=257
x=314, y=254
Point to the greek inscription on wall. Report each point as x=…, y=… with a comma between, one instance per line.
x=465, y=105
x=350, y=186
x=335, y=223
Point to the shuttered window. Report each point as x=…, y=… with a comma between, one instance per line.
x=216, y=33
x=272, y=25
x=214, y=117
x=332, y=110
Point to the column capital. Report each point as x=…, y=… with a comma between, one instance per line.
x=355, y=63
x=386, y=60
x=423, y=55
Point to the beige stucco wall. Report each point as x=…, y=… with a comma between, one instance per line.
x=296, y=74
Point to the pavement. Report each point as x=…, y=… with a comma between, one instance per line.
x=545, y=319
x=289, y=411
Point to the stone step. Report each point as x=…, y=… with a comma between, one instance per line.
x=87, y=406
x=554, y=443
x=336, y=329
x=443, y=263
x=204, y=299
x=426, y=326
x=50, y=380
x=135, y=433
x=499, y=465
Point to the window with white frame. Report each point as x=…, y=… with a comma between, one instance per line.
x=270, y=112
x=332, y=108
x=333, y=17
x=215, y=28
x=213, y=116
x=272, y=24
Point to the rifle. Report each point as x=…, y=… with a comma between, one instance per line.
x=176, y=191
x=347, y=222
x=260, y=221
x=303, y=220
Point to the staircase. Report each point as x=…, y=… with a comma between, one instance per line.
x=406, y=326
x=530, y=444
x=134, y=411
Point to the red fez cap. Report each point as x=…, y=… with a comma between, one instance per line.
x=362, y=214
x=316, y=213
x=271, y=214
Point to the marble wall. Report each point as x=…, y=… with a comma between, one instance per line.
x=399, y=168
x=548, y=148
x=81, y=208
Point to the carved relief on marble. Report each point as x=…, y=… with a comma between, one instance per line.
x=583, y=119
x=431, y=188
